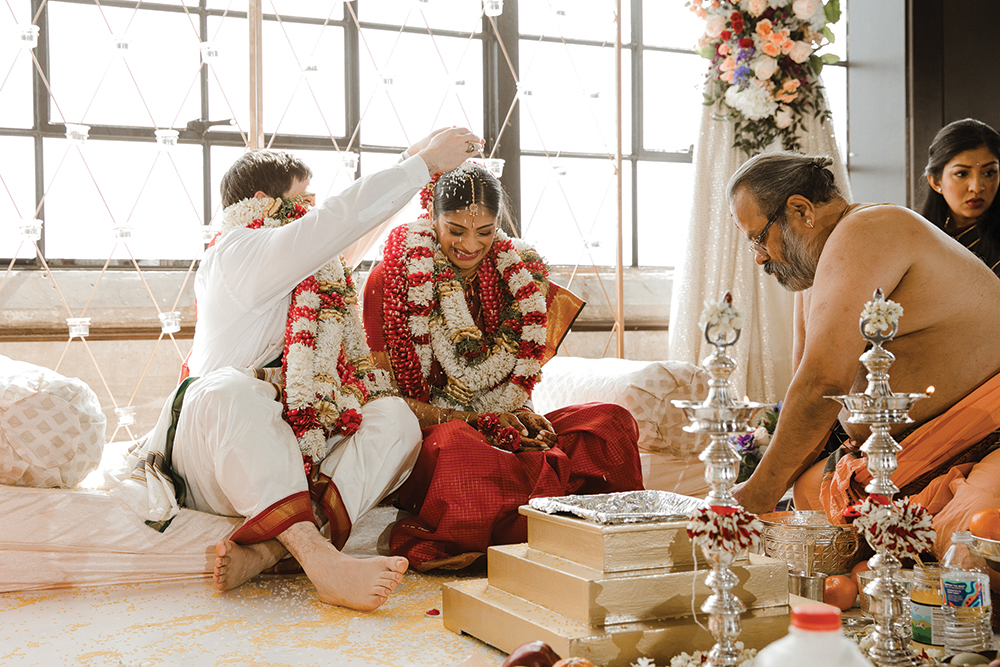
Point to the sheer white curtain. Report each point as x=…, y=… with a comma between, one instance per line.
x=716, y=260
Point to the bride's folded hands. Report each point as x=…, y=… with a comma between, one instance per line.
x=536, y=431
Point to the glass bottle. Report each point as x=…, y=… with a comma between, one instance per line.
x=926, y=614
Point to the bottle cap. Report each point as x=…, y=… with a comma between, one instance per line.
x=816, y=618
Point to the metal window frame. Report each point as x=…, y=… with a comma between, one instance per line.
x=499, y=93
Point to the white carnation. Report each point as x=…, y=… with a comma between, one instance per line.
x=753, y=102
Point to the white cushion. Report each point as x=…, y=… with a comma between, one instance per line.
x=645, y=388
x=51, y=427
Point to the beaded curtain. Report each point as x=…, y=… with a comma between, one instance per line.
x=716, y=260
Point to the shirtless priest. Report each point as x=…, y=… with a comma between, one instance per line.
x=834, y=255
x=283, y=411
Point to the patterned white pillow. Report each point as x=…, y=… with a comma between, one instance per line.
x=645, y=388
x=51, y=427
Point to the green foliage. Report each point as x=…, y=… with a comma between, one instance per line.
x=832, y=11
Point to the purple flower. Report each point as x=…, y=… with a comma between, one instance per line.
x=745, y=444
x=740, y=75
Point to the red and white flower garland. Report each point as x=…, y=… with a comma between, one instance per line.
x=900, y=527
x=427, y=317
x=327, y=364
x=730, y=528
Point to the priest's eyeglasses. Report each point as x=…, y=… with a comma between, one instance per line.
x=757, y=245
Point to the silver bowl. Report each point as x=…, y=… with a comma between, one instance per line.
x=990, y=549
x=836, y=548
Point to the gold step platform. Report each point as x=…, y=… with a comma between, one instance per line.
x=609, y=593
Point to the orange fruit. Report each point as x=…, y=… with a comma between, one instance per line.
x=840, y=591
x=986, y=523
x=860, y=567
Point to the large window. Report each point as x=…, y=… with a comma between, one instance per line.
x=346, y=85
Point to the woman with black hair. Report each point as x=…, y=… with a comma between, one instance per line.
x=463, y=316
x=963, y=172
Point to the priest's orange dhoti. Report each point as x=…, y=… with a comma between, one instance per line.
x=950, y=465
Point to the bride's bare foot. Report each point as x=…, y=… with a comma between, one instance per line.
x=357, y=583
x=236, y=564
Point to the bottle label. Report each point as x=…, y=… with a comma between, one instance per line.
x=927, y=623
x=965, y=592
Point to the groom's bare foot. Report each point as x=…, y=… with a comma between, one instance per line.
x=357, y=583
x=236, y=564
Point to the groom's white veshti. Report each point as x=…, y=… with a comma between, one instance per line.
x=223, y=433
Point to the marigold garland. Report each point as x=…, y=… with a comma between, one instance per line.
x=326, y=363
x=427, y=317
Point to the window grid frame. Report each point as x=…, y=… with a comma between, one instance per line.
x=496, y=78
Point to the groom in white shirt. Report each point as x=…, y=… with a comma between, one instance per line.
x=234, y=438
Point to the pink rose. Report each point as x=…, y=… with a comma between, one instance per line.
x=715, y=25
x=800, y=52
x=764, y=67
x=804, y=9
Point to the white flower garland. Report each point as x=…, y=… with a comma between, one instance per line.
x=721, y=318
x=485, y=382
x=313, y=380
x=899, y=527
x=881, y=314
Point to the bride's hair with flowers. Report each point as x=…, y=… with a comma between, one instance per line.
x=270, y=172
x=469, y=184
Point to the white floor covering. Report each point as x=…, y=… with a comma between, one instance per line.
x=270, y=621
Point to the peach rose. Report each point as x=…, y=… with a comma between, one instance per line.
x=757, y=7
x=790, y=85
x=800, y=52
x=782, y=118
x=804, y=9
x=724, y=49
x=715, y=25
x=770, y=49
x=785, y=98
x=764, y=27
x=728, y=65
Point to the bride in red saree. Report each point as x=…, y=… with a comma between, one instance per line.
x=463, y=317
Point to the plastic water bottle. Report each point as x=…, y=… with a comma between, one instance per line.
x=815, y=638
x=965, y=595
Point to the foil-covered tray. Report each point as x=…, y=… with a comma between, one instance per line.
x=624, y=507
